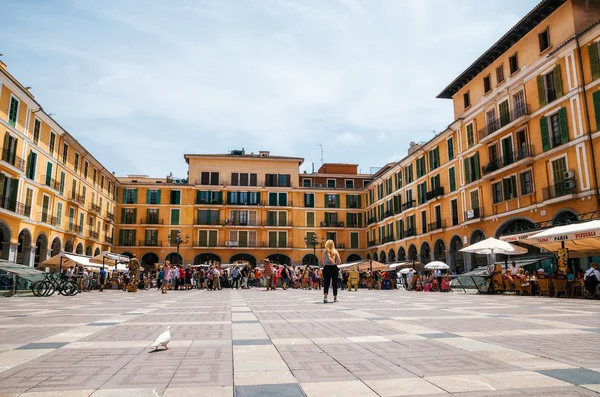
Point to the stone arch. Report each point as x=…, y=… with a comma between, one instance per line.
x=477, y=236
x=457, y=259
x=375, y=257
x=149, y=260
x=477, y=260
x=280, y=259
x=515, y=225
x=88, y=250
x=25, y=252
x=69, y=246
x=382, y=257
x=439, y=250
x=207, y=258
x=425, y=253
x=79, y=249
x=310, y=259
x=5, y=237
x=564, y=217
x=368, y=256
x=97, y=251
x=401, y=254
x=353, y=258
x=243, y=257
x=174, y=258
x=412, y=253
x=127, y=254
x=41, y=248
x=391, y=256
x=56, y=246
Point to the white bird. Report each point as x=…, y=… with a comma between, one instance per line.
x=163, y=339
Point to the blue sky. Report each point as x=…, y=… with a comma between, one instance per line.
x=141, y=82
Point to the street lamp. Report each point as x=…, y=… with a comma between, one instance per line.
x=314, y=241
x=178, y=241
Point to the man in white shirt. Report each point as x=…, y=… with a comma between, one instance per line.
x=592, y=270
x=591, y=285
x=514, y=269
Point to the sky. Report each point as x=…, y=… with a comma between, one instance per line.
x=142, y=82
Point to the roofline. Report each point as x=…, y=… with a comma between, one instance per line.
x=300, y=160
x=510, y=38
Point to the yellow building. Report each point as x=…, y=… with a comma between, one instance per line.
x=241, y=207
x=54, y=195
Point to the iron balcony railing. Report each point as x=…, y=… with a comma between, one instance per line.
x=93, y=234
x=371, y=221
x=386, y=239
x=12, y=159
x=50, y=182
x=209, y=202
x=504, y=119
x=232, y=222
x=217, y=183
x=47, y=218
x=435, y=193
x=205, y=243
x=108, y=239
x=14, y=206
x=151, y=220
x=408, y=204
x=150, y=243
x=353, y=224
x=96, y=208
x=508, y=159
x=474, y=213
x=332, y=224
x=410, y=232
x=75, y=228
x=371, y=243
x=562, y=188
x=214, y=222
x=388, y=213
x=78, y=197
x=439, y=224
x=127, y=242
x=110, y=216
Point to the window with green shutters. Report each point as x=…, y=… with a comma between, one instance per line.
x=208, y=217
x=332, y=201
x=61, y=186
x=175, y=197
x=596, y=100
x=594, y=60
x=549, y=86
x=48, y=180
x=59, y=211
x=153, y=196
x=209, y=197
x=37, y=126
x=310, y=219
x=422, y=193
x=127, y=238
x=353, y=240
x=470, y=135
x=174, y=216
x=434, y=158
x=128, y=215
x=352, y=201
x=130, y=196
x=472, y=172
x=173, y=237
x=398, y=180
x=13, y=111
x=278, y=199
x=452, y=179
x=421, y=166
x=450, y=148
x=408, y=171
x=31, y=164
x=509, y=186
x=504, y=113
x=207, y=238
x=554, y=130
x=309, y=200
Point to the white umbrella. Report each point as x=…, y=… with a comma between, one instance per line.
x=437, y=265
x=493, y=246
x=406, y=270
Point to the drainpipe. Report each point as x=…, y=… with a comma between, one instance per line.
x=587, y=119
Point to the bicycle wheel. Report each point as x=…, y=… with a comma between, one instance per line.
x=34, y=288
x=68, y=288
x=44, y=288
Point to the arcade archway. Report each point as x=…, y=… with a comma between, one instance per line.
x=79, y=249
x=353, y=258
x=207, y=258
x=382, y=257
x=401, y=254
x=243, y=258
x=280, y=259
x=391, y=256
x=425, y=253
x=310, y=260
x=439, y=250
x=41, y=249
x=149, y=260
x=24, y=251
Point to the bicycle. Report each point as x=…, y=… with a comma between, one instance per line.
x=50, y=284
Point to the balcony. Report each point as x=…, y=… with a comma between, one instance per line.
x=386, y=239
x=79, y=198
x=332, y=224
x=277, y=204
x=276, y=245
x=108, y=239
x=110, y=216
x=127, y=243
x=353, y=224
x=503, y=120
x=371, y=243
x=128, y=219
x=48, y=219
x=560, y=189
x=388, y=213
x=275, y=223
x=74, y=228
x=209, y=202
x=254, y=223
x=151, y=220
x=508, y=159
x=475, y=213
x=96, y=208
x=217, y=183
x=435, y=193
x=439, y=224
x=50, y=182
x=12, y=159
x=205, y=243
x=410, y=232
x=371, y=221
x=212, y=222
x=93, y=234
x=408, y=205
x=150, y=243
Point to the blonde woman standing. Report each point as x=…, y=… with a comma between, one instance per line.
x=331, y=258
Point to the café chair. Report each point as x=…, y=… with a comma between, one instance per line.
x=508, y=286
x=577, y=289
x=560, y=286
x=544, y=286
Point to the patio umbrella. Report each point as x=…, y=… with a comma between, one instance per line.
x=406, y=270
x=493, y=246
x=437, y=265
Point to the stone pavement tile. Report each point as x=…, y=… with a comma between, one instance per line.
x=201, y=376
x=215, y=391
x=263, y=378
x=373, y=368
x=326, y=370
x=495, y=393
x=291, y=341
x=471, y=345
x=337, y=389
x=464, y=383
x=569, y=391
x=523, y=379
x=63, y=393
x=595, y=388
x=576, y=376
x=367, y=339
x=137, y=392
x=48, y=345
x=287, y=390
x=251, y=342
x=253, y=358
x=458, y=363
x=403, y=387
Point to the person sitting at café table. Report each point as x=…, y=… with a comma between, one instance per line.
x=589, y=276
x=514, y=269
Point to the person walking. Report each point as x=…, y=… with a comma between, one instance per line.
x=166, y=277
x=235, y=275
x=331, y=258
x=268, y=273
x=102, y=279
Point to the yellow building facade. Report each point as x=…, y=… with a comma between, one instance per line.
x=54, y=195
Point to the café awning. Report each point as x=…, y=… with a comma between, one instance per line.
x=576, y=237
x=511, y=238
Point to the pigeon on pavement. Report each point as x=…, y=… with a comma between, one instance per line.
x=163, y=339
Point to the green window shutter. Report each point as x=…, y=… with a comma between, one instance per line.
x=282, y=239
x=48, y=173
x=121, y=237
x=178, y=195
x=467, y=172
x=134, y=215
x=360, y=220
x=122, y=215
x=283, y=218
x=358, y=201
x=541, y=91
x=271, y=218
x=272, y=198
x=212, y=238
x=353, y=240
x=197, y=196
x=431, y=158
x=220, y=197
x=452, y=177
x=347, y=202
x=476, y=165
x=135, y=192
x=202, y=238
x=228, y=197
x=28, y=171
x=174, y=217
x=272, y=239
x=337, y=201
x=596, y=100
x=544, y=133
x=133, y=237
x=594, y=61
x=558, y=81
x=348, y=219
x=218, y=214
x=564, y=130
x=158, y=196
x=437, y=155
x=124, y=195
x=147, y=196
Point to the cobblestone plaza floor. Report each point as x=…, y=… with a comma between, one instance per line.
x=288, y=343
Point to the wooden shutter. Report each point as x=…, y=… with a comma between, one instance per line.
x=122, y=215
x=544, y=133
x=541, y=91
x=220, y=197
x=147, y=196
x=431, y=160
x=310, y=219
x=596, y=100
x=212, y=238
x=452, y=177
x=476, y=165
x=235, y=179
x=467, y=172
x=272, y=198
x=135, y=196
x=158, y=197
x=121, y=237
x=594, y=61
x=558, y=81
x=358, y=201
x=282, y=239
x=202, y=238
x=174, y=217
x=283, y=218
x=564, y=130
x=337, y=201
x=282, y=202
x=134, y=215
x=48, y=173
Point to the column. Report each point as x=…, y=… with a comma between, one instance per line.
x=468, y=261
x=29, y=256
x=450, y=261
x=9, y=251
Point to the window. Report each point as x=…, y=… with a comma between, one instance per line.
x=48, y=181
x=127, y=237
x=59, y=210
x=409, y=173
x=388, y=186
x=94, y=175
x=594, y=60
x=504, y=113
x=151, y=239
x=332, y=201
x=101, y=182
x=332, y=236
x=208, y=217
x=85, y=169
x=65, y=155
x=452, y=178
x=472, y=171
x=500, y=74
x=526, y=180
x=470, y=135
x=129, y=196
x=152, y=216
x=29, y=200
x=13, y=111
x=76, y=162
x=513, y=64
x=352, y=201
x=487, y=84
x=174, y=216
x=207, y=238
x=128, y=216
x=207, y=197
x=349, y=183
x=31, y=165
x=81, y=222
x=61, y=186
x=421, y=167
x=549, y=86
x=423, y=222
x=554, y=130
x=52, y=142
x=496, y=192
x=454, y=212
x=278, y=199
x=422, y=193
x=306, y=182
x=399, y=180
x=353, y=219
x=243, y=238
x=544, y=39
x=209, y=178
x=277, y=218
x=466, y=99
x=274, y=180
x=37, y=126
x=434, y=158
x=310, y=219
x=242, y=198
x=450, y=148
x=520, y=108
x=331, y=183
x=277, y=239
x=558, y=170
x=353, y=240
x=243, y=179
x=330, y=219
x=175, y=197
x=509, y=185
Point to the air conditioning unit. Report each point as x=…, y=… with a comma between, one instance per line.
x=231, y=243
x=570, y=184
x=570, y=174
x=470, y=214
